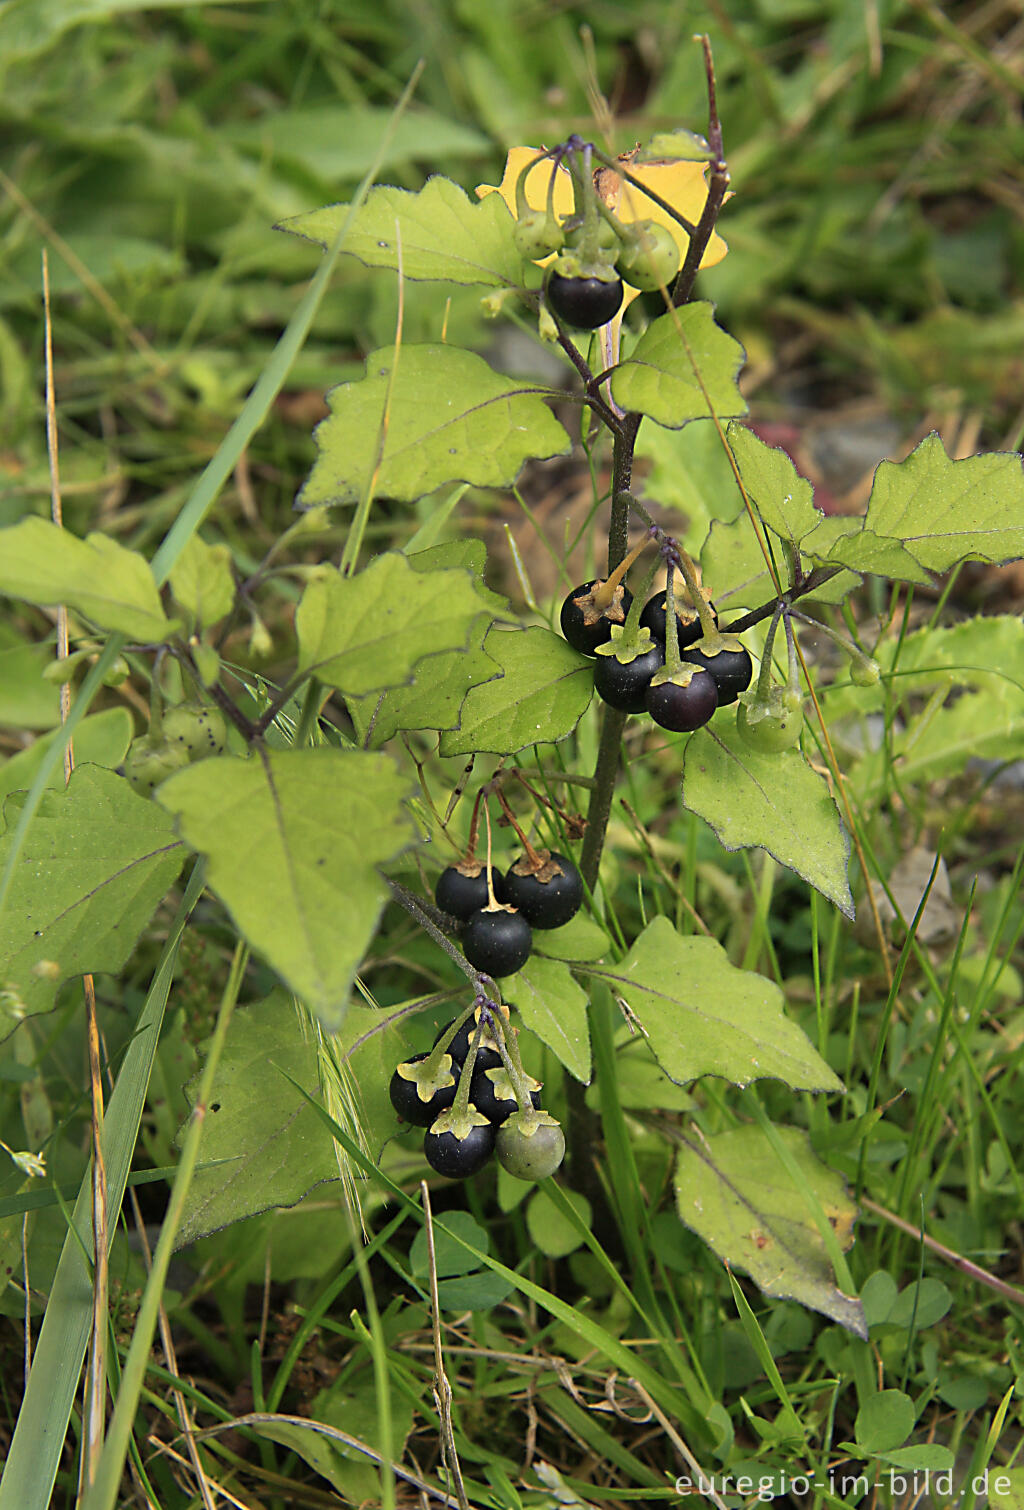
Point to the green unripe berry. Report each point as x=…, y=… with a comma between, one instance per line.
x=772, y=726
x=197, y=729
x=650, y=258
x=537, y=235
x=149, y=762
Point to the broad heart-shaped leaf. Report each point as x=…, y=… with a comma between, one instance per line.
x=450, y=418
x=274, y=1146
x=772, y=802
x=202, y=583
x=702, y=1016
x=434, y=697
x=366, y=633
x=554, y=1007
x=113, y=587
x=96, y=861
x=545, y=689
x=733, y=1192
x=292, y=840
x=683, y=367
x=845, y=541
x=947, y=511
x=784, y=499
x=444, y=235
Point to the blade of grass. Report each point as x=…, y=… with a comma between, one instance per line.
x=38, y=1439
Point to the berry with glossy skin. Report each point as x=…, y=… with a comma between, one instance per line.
x=149, y=762
x=459, y=1146
x=584, y=303
x=585, y=626
x=653, y=617
x=487, y=1056
x=731, y=668
x=650, y=258
x=197, y=728
x=493, y=1095
x=460, y=893
x=530, y=1145
x=624, y=684
x=419, y=1098
x=683, y=704
x=498, y=942
x=548, y=897
x=770, y=725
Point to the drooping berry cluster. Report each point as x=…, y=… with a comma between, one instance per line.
x=594, y=250
x=474, y=1098
x=499, y=911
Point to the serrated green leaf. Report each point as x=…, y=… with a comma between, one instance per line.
x=545, y=689
x=771, y=802
x=366, y=633
x=292, y=840
x=95, y=864
x=554, y=1006
x=784, y=499
x=97, y=577
x=733, y=1192
x=434, y=698
x=451, y=418
x=879, y=555
x=468, y=554
x=202, y=583
x=703, y=1016
x=947, y=511
x=445, y=235
x=683, y=367
x=101, y=739
x=884, y=1421
x=273, y=1146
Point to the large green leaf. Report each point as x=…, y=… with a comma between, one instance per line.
x=683, y=367
x=96, y=862
x=450, y=418
x=945, y=511
x=773, y=802
x=101, y=739
x=554, y=1007
x=263, y=1144
x=97, y=577
x=365, y=633
x=293, y=840
x=544, y=691
x=784, y=499
x=27, y=701
x=703, y=1016
x=444, y=235
x=733, y=1192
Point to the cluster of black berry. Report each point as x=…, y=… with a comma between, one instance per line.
x=499, y=912
x=475, y=1099
x=633, y=661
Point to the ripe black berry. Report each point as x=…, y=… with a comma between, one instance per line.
x=497, y=942
x=683, y=705
x=547, y=897
x=584, y=303
x=459, y=892
x=487, y=1056
x=575, y=617
x=653, y=618
x=624, y=684
x=731, y=669
x=417, y=1099
x=456, y=1157
x=493, y=1096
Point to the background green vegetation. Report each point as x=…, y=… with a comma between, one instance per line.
x=874, y=278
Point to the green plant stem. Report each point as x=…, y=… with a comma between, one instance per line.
x=102, y=1493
